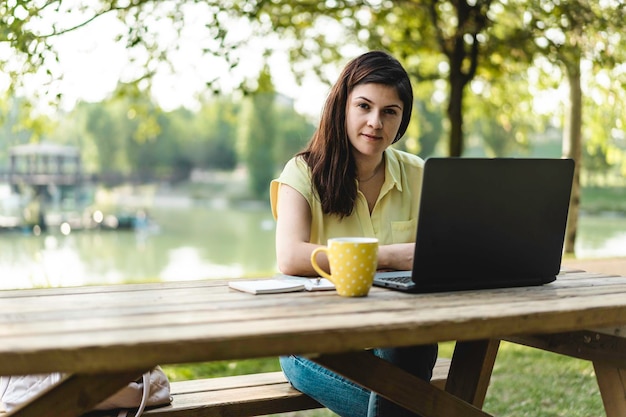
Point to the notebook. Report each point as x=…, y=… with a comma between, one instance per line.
x=488, y=223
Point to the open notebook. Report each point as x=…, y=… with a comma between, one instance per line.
x=281, y=283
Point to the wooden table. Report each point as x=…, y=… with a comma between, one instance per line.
x=105, y=336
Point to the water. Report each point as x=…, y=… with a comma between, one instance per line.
x=601, y=236
x=193, y=242
x=190, y=243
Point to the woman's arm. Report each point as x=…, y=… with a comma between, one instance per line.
x=397, y=256
x=293, y=231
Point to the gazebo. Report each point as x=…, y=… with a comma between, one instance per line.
x=42, y=165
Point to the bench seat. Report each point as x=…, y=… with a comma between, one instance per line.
x=248, y=395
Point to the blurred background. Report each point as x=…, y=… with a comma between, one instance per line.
x=138, y=139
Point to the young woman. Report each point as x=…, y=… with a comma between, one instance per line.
x=350, y=182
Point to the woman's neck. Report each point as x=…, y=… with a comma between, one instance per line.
x=370, y=169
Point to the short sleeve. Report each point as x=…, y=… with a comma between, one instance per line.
x=295, y=174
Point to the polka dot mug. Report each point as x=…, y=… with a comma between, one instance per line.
x=353, y=262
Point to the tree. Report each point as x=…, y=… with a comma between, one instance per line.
x=293, y=132
x=568, y=33
x=107, y=133
x=436, y=39
x=215, y=130
x=260, y=136
x=458, y=31
x=415, y=31
x=453, y=31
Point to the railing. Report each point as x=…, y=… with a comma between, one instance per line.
x=44, y=179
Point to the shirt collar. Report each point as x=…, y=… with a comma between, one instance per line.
x=392, y=171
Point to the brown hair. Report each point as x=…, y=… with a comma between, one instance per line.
x=328, y=153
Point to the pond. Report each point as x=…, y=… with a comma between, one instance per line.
x=193, y=242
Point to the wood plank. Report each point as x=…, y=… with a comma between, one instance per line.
x=214, y=300
x=203, y=338
x=227, y=382
x=135, y=329
x=125, y=303
x=471, y=369
x=214, y=330
x=440, y=374
x=21, y=320
x=85, y=289
x=584, y=344
x=612, y=384
x=252, y=400
x=264, y=314
x=192, y=284
x=168, y=296
x=389, y=381
x=619, y=331
x=75, y=394
x=255, y=394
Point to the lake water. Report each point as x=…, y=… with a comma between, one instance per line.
x=193, y=242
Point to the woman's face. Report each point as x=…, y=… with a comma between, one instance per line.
x=373, y=118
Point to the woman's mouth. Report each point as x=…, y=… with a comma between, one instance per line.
x=371, y=137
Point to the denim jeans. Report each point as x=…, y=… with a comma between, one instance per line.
x=348, y=399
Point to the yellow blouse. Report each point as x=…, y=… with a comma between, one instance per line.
x=394, y=218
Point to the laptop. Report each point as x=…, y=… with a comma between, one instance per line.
x=487, y=223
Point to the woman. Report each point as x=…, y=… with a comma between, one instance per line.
x=350, y=182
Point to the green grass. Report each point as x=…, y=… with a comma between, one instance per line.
x=223, y=368
x=526, y=382
x=533, y=383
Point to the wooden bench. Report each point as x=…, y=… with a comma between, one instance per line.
x=249, y=395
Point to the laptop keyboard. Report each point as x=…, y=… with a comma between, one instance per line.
x=396, y=277
x=401, y=280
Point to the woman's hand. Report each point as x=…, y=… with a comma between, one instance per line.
x=398, y=256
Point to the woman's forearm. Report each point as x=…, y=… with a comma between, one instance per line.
x=396, y=256
x=296, y=259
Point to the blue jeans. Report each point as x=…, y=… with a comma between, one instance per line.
x=348, y=399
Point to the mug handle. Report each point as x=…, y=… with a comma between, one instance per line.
x=316, y=266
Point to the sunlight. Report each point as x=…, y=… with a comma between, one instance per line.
x=92, y=62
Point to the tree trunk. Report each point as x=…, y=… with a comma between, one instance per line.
x=572, y=148
x=455, y=115
x=458, y=79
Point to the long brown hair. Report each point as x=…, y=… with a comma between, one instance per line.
x=328, y=153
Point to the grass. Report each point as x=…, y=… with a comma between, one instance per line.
x=218, y=369
x=534, y=383
x=526, y=382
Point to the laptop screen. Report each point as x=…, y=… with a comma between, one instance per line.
x=491, y=222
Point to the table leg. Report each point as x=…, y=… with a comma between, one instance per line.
x=75, y=395
x=612, y=384
x=470, y=370
x=397, y=385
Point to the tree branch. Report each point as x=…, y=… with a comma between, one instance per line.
x=130, y=6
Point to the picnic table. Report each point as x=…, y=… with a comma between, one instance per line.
x=104, y=336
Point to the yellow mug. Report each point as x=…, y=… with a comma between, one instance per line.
x=353, y=262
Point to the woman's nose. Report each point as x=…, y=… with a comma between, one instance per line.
x=375, y=121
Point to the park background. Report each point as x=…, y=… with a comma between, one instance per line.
x=186, y=110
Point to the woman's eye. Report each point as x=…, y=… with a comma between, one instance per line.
x=391, y=111
x=364, y=105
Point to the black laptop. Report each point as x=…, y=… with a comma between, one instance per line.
x=488, y=223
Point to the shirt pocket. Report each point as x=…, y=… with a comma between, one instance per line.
x=404, y=231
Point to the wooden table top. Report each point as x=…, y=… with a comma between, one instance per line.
x=114, y=328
